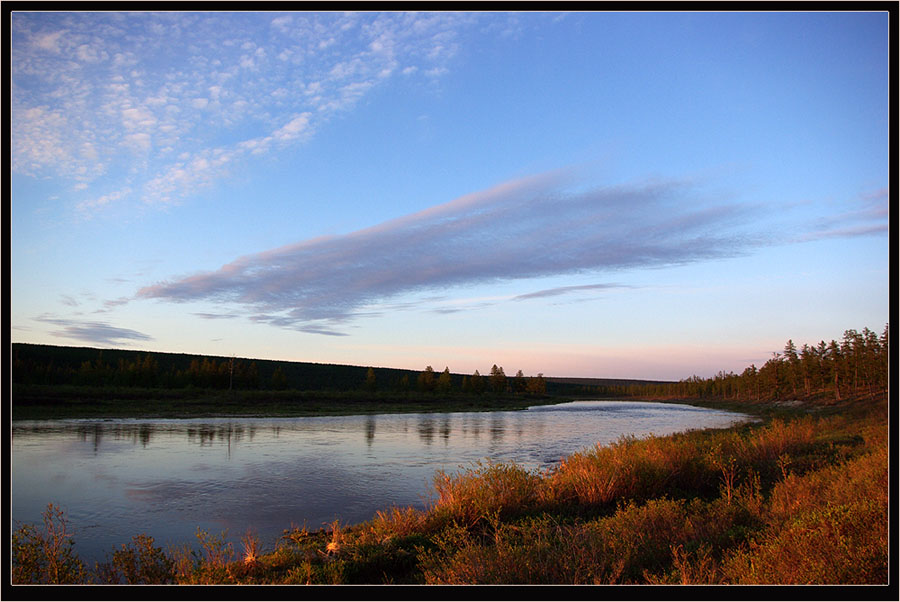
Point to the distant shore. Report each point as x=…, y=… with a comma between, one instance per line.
x=37, y=402
x=54, y=402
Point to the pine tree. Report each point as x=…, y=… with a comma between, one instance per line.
x=834, y=362
x=476, y=383
x=518, y=382
x=537, y=385
x=370, y=384
x=444, y=381
x=279, y=380
x=425, y=381
x=791, y=366
x=498, y=379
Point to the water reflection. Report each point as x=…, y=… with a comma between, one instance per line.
x=426, y=429
x=497, y=430
x=211, y=432
x=118, y=478
x=370, y=430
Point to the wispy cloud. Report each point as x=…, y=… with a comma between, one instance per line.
x=528, y=228
x=93, y=332
x=161, y=105
x=565, y=290
x=865, y=216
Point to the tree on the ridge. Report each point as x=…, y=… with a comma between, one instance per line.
x=370, y=384
x=498, y=379
x=426, y=379
x=476, y=383
x=444, y=381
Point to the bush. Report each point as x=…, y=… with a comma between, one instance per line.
x=840, y=544
x=46, y=556
x=631, y=469
x=540, y=550
x=834, y=519
x=476, y=494
x=138, y=563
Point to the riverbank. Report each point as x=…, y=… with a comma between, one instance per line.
x=44, y=402
x=736, y=506
x=55, y=402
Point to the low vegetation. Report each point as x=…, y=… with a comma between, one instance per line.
x=799, y=498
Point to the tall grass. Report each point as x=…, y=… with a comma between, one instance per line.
x=491, y=490
x=791, y=501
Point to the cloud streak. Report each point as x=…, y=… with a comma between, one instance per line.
x=564, y=290
x=94, y=332
x=868, y=215
x=529, y=228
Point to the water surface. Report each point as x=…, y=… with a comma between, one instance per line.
x=121, y=477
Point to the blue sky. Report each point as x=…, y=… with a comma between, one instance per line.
x=632, y=195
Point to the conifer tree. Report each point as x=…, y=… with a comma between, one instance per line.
x=370, y=384
x=444, y=381
x=498, y=379
x=425, y=381
x=476, y=383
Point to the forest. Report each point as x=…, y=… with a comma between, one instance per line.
x=57, y=366
x=857, y=364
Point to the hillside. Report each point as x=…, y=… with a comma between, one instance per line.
x=64, y=365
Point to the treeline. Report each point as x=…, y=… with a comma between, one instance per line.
x=428, y=381
x=78, y=366
x=31, y=366
x=857, y=364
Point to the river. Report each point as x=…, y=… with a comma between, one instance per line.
x=167, y=478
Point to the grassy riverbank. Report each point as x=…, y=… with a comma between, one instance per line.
x=800, y=497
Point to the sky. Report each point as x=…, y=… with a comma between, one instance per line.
x=613, y=195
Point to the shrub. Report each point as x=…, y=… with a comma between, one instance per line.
x=210, y=565
x=614, y=549
x=138, y=563
x=537, y=551
x=833, y=520
x=865, y=477
x=475, y=494
x=840, y=544
x=46, y=556
x=630, y=469
x=688, y=568
x=388, y=525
